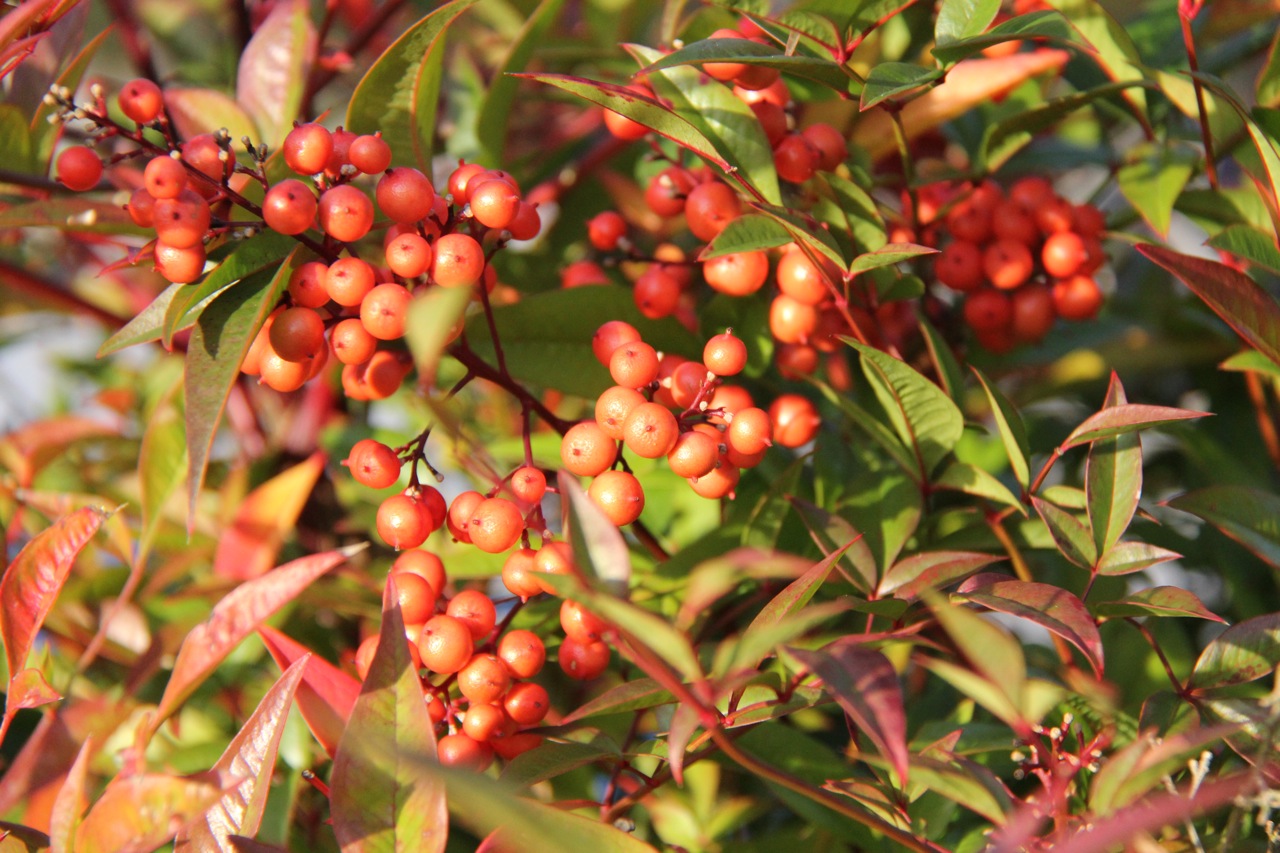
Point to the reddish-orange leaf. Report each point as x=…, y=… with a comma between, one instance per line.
x=140, y=813
x=28, y=689
x=69, y=805
x=325, y=696
x=265, y=517
x=35, y=577
x=236, y=616
x=28, y=449
x=244, y=770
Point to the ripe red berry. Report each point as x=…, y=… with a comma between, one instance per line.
x=182, y=222
x=408, y=255
x=373, y=464
x=346, y=214
x=523, y=652
x=1077, y=298
x=416, y=597
x=738, y=274
x=518, y=575
x=794, y=420
x=604, y=230
x=483, y=679
x=619, y=496
x=141, y=100
x=370, y=153
x=802, y=279
x=725, y=355
x=348, y=280
x=611, y=335
x=474, y=609
x=959, y=266
x=795, y=159
x=458, y=262
x=709, y=208
x=289, y=207
x=307, y=148
x=163, y=176
x=496, y=525
x=494, y=203
x=1033, y=312
x=1064, y=254
x=425, y=565
x=306, y=285
x=634, y=365
x=988, y=310
x=1007, y=263
x=829, y=144
x=405, y=194
x=445, y=644
x=403, y=522
x=384, y=310
x=529, y=484
x=527, y=703
x=464, y=753
x=297, y=334
x=351, y=342
x=650, y=430
x=656, y=293
x=180, y=266
x=695, y=454
x=584, y=661
x=668, y=190
x=587, y=450
x=613, y=406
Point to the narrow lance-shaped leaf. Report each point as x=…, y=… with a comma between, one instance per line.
x=35, y=577
x=68, y=806
x=244, y=771
x=1126, y=418
x=598, y=546
x=1072, y=538
x=1115, y=48
x=1013, y=434
x=235, y=617
x=138, y=814
x=397, y=95
x=1152, y=179
x=386, y=795
x=910, y=577
x=993, y=654
x=247, y=548
x=222, y=336
x=274, y=68
x=751, y=232
x=891, y=79
x=798, y=593
x=829, y=531
x=628, y=696
x=29, y=689
x=1113, y=479
x=1252, y=244
x=1249, y=516
x=146, y=326
x=160, y=463
x=1158, y=601
x=1048, y=606
x=1246, y=651
x=972, y=480
x=866, y=686
x=1042, y=26
x=1239, y=300
x=1124, y=558
x=747, y=52
x=326, y=694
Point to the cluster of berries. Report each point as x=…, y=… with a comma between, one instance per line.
x=1022, y=259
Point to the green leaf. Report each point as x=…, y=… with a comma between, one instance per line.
x=1244, y=652
x=1126, y=418
x=1267, y=91
x=972, y=480
x=551, y=760
x=888, y=255
x=245, y=769
x=866, y=686
x=496, y=109
x=634, y=695
x=796, y=594
x=805, y=232
x=385, y=794
x=258, y=253
x=195, y=111
x=1157, y=601
x=274, y=68
x=1072, y=538
x=1113, y=479
x=639, y=108
x=891, y=79
x=962, y=19
x=874, y=429
x=222, y=336
x=160, y=464
x=764, y=525
x=1153, y=177
x=598, y=547
x=429, y=327
x=821, y=71
x=991, y=651
x=1125, y=558
x=141, y=813
x=397, y=95
x=1135, y=770
x=547, y=337
x=849, y=208
x=147, y=326
x=924, y=417
x=751, y=232
x=944, y=360
x=833, y=533
x=1013, y=435
x=1115, y=50
x=1250, y=244
x=1042, y=25
x=724, y=118
x=1048, y=606
x=1249, y=516
x=910, y=577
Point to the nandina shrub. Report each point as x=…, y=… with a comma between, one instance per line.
x=789, y=428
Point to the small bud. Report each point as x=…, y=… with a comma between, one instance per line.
x=97, y=91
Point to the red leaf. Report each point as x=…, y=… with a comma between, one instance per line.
x=35, y=577
x=1158, y=601
x=140, y=813
x=1126, y=418
x=245, y=768
x=28, y=689
x=1232, y=295
x=387, y=794
x=69, y=805
x=27, y=450
x=931, y=570
x=236, y=616
x=1048, y=606
x=248, y=547
x=274, y=68
x=325, y=696
x=866, y=686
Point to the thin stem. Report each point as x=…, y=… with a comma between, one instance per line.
x=1206, y=136
x=321, y=76
x=45, y=291
x=1020, y=567
x=1044, y=471
x=482, y=369
x=1266, y=424
x=1164, y=661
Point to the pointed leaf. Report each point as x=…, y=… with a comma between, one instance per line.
x=68, y=806
x=244, y=771
x=638, y=108
x=911, y=576
x=1116, y=51
x=1249, y=516
x=1232, y=295
x=925, y=418
x=248, y=547
x=552, y=759
x=796, y=594
x=1013, y=435
x=994, y=655
x=751, y=232
x=496, y=108
x=137, y=814
x=1125, y=558
x=866, y=686
x=326, y=694
x=972, y=480
x=235, y=617
x=1072, y=538
x=28, y=689
x=1157, y=601
x=1153, y=177
x=631, y=695
x=1050, y=607
x=197, y=111
x=1113, y=483
x=1246, y=651
x=804, y=231
x=385, y=793
x=147, y=326
x=598, y=546
x=1043, y=26
x=160, y=463
x=891, y=79
x=433, y=317
x=747, y=52
x=274, y=68
x=962, y=19
x=35, y=577
x=724, y=118
x=1250, y=244
x=888, y=255
x=397, y=95
x=1126, y=418
x=944, y=360
x=829, y=531
x=222, y=336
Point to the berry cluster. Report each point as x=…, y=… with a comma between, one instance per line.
x=1021, y=259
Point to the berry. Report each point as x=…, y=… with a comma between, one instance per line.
x=717, y=483
x=346, y=214
x=483, y=679
x=790, y=320
x=793, y=420
x=464, y=753
x=373, y=464
x=351, y=343
x=988, y=310
x=517, y=574
x=403, y=522
x=164, y=177
x=306, y=285
x=709, y=208
x=484, y=722
x=695, y=454
x=583, y=273
x=341, y=154
x=370, y=153
x=1064, y=254
x=1077, y=298
x=553, y=558
x=802, y=279
x=297, y=334
x=612, y=408
x=1007, y=263
x=623, y=127
x=405, y=194
x=348, y=280
x=289, y=207
x=527, y=222
x=416, y=597
x=738, y=274
x=494, y=203
x=1033, y=312
x=496, y=525
x=529, y=484
x=458, y=518
x=795, y=159
x=668, y=190
x=408, y=255
x=725, y=355
x=650, y=431
x=527, y=704
x=522, y=652
x=424, y=564
x=749, y=431
x=475, y=610
x=829, y=144
x=656, y=293
x=307, y=149
x=384, y=310
x=587, y=450
x=141, y=100
x=181, y=222
x=959, y=266
x=458, y=262
x=180, y=266
x=724, y=71
x=142, y=208
x=445, y=644
x=606, y=229
x=634, y=365
x=79, y=168
x=584, y=661
x=619, y=495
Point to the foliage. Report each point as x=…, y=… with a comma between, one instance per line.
x=978, y=577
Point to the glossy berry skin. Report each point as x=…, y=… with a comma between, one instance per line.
x=464, y=753
x=1064, y=254
x=164, y=177
x=297, y=334
x=656, y=293
x=403, y=522
x=408, y=255
x=307, y=148
x=650, y=430
x=634, y=365
x=668, y=190
x=384, y=310
x=416, y=597
x=959, y=266
x=619, y=496
x=484, y=722
x=370, y=154
x=802, y=279
x=425, y=565
x=141, y=100
x=725, y=355
x=1077, y=298
x=795, y=159
x=717, y=483
x=611, y=335
x=738, y=274
x=709, y=208
x=794, y=420
x=496, y=525
x=78, y=168
x=373, y=464
x=586, y=450
x=529, y=484
x=518, y=574
x=1007, y=263
x=494, y=203
x=351, y=342
x=348, y=280
x=523, y=653
x=612, y=408
x=988, y=310
x=306, y=285
x=289, y=207
x=527, y=703
x=695, y=453
x=474, y=609
x=182, y=221
x=584, y=661
x=458, y=262
x=445, y=644
x=605, y=230
x=749, y=432
x=484, y=678
x=180, y=266
x=346, y=214
x=405, y=194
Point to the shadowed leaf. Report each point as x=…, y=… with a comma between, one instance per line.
x=147, y=326
x=628, y=696
x=326, y=694
x=911, y=576
x=1249, y=516
x=1246, y=651
x=248, y=547
x=747, y=52
x=1113, y=479
x=1071, y=536
x=1158, y=601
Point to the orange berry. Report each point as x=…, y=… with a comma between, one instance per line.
x=709, y=208
x=408, y=255
x=738, y=274
x=656, y=293
x=612, y=408
x=619, y=496
x=416, y=597
x=180, y=266
x=307, y=148
x=474, y=609
x=405, y=194
x=484, y=722
x=523, y=652
x=634, y=365
x=464, y=753
x=553, y=558
x=424, y=564
x=351, y=343
x=458, y=262
x=297, y=334
x=370, y=153
x=483, y=679
x=1007, y=263
x=403, y=522
x=348, y=280
x=649, y=431
x=163, y=177
x=445, y=644
x=346, y=214
x=289, y=207
x=695, y=454
x=716, y=483
x=496, y=525
x=725, y=355
x=460, y=512
x=384, y=310
x=494, y=203
x=373, y=464
x=584, y=661
x=141, y=100
x=527, y=704
x=517, y=574
x=1077, y=298
x=587, y=450
x=793, y=420
x=306, y=285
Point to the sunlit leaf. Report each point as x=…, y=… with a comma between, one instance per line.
x=1043, y=25
x=147, y=326
x=235, y=617
x=751, y=232
x=552, y=759
x=385, y=794
x=1048, y=606
x=961, y=19
x=1126, y=418
x=1249, y=244
x=397, y=95
x=888, y=255
x=325, y=695
x=822, y=71
x=28, y=689
x=68, y=806
x=1116, y=51
x=891, y=79
x=197, y=111
x=1157, y=601
x=629, y=696
x=1113, y=479
x=1152, y=178
x=160, y=463
x=274, y=68
x=866, y=686
x=796, y=594
x=911, y=576
x=1246, y=651
x=137, y=814
x=598, y=546
x=248, y=546
x=1124, y=558
x=994, y=655
x=1073, y=539
x=972, y=480
x=245, y=769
